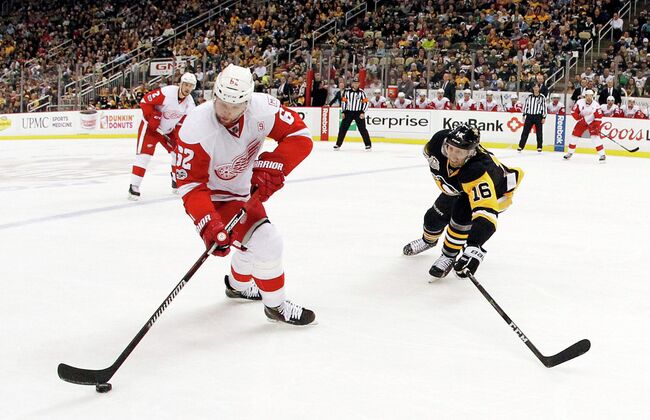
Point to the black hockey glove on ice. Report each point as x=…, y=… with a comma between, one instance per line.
x=470, y=260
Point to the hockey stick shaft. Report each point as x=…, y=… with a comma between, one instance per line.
x=506, y=318
x=619, y=144
x=94, y=377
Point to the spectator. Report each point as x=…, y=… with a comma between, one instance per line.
x=610, y=90
x=617, y=26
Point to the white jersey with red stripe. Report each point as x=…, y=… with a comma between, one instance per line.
x=441, y=103
x=221, y=159
x=466, y=105
x=634, y=112
x=490, y=106
x=517, y=107
x=422, y=104
x=402, y=105
x=610, y=111
x=377, y=103
x=590, y=112
x=558, y=108
x=165, y=101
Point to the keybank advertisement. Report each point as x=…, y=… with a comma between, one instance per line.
x=413, y=124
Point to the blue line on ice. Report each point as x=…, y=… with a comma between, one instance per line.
x=165, y=199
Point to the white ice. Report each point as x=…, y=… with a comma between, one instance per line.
x=82, y=270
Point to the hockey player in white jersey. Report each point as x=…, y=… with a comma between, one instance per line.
x=632, y=110
x=402, y=102
x=378, y=100
x=588, y=114
x=422, y=102
x=555, y=107
x=610, y=109
x=489, y=104
x=467, y=103
x=440, y=102
x=218, y=164
x=162, y=110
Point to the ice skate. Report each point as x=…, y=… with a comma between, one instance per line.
x=251, y=293
x=442, y=266
x=417, y=246
x=568, y=156
x=290, y=313
x=337, y=147
x=134, y=193
x=602, y=159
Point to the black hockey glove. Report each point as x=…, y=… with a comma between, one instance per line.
x=470, y=260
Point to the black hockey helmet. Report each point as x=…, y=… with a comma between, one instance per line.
x=464, y=136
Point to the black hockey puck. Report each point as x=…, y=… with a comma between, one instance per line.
x=103, y=388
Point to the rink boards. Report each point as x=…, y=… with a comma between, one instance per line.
x=498, y=129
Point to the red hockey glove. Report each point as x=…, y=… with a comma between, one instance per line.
x=154, y=121
x=213, y=231
x=268, y=175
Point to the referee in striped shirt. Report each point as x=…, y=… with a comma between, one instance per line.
x=534, y=114
x=354, y=104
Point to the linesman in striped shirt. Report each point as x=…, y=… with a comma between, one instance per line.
x=534, y=115
x=354, y=104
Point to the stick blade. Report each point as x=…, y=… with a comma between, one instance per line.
x=634, y=150
x=84, y=376
x=578, y=349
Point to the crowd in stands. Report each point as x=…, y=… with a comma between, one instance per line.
x=420, y=44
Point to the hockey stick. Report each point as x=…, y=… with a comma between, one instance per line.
x=97, y=377
x=619, y=144
x=577, y=349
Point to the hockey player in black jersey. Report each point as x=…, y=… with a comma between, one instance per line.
x=476, y=187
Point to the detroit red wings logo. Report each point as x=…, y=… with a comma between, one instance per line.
x=229, y=170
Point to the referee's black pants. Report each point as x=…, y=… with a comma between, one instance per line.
x=348, y=117
x=531, y=120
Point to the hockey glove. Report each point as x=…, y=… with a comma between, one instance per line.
x=268, y=175
x=212, y=230
x=470, y=260
x=154, y=121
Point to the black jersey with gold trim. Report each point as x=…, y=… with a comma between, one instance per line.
x=487, y=183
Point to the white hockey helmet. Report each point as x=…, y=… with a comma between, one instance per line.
x=589, y=92
x=401, y=95
x=441, y=90
x=234, y=85
x=189, y=78
x=514, y=96
x=423, y=93
x=377, y=91
x=555, y=96
x=610, y=98
x=467, y=92
x=489, y=93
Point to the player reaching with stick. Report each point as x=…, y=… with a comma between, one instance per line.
x=476, y=188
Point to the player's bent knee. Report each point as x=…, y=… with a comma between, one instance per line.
x=265, y=244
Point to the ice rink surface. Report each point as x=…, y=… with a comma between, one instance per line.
x=83, y=269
